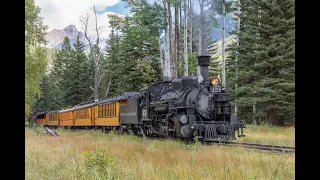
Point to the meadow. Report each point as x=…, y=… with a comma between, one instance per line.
x=265, y=134
x=88, y=155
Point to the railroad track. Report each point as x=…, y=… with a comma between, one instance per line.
x=265, y=147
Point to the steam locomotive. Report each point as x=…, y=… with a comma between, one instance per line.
x=189, y=108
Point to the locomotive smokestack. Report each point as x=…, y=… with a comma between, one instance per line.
x=203, y=63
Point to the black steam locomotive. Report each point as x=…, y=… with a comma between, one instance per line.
x=185, y=108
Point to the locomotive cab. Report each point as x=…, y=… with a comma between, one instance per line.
x=150, y=94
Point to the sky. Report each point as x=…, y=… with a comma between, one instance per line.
x=58, y=14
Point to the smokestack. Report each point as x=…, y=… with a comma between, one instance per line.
x=203, y=63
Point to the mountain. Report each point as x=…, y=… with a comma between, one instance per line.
x=56, y=36
x=231, y=39
x=215, y=32
x=230, y=25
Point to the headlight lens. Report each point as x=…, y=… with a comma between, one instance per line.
x=214, y=82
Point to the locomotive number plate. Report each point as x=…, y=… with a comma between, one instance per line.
x=215, y=88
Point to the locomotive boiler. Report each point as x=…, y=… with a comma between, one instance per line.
x=190, y=107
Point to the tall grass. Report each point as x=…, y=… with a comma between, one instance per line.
x=93, y=155
x=269, y=135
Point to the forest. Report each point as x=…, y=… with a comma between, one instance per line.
x=161, y=41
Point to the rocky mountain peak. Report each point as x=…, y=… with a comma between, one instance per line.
x=71, y=30
x=56, y=36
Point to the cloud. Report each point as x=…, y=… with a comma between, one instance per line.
x=58, y=14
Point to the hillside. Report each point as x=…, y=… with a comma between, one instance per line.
x=228, y=41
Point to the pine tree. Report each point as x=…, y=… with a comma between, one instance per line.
x=139, y=66
x=215, y=65
x=43, y=103
x=248, y=57
x=75, y=75
x=68, y=82
x=60, y=73
x=276, y=89
x=86, y=74
x=88, y=80
x=112, y=50
x=265, y=75
x=193, y=62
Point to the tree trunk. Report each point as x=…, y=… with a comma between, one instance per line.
x=167, y=64
x=238, y=30
x=161, y=58
x=173, y=70
x=96, y=78
x=180, y=32
x=190, y=25
x=223, y=60
x=94, y=49
x=254, y=110
x=176, y=33
x=200, y=29
x=107, y=92
x=185, y=38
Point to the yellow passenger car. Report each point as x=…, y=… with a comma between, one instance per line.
x=53, y=118
x=107, y=114
x=66, y=117
x=41, y=118
x=83, y=115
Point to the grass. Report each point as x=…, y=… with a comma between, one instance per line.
x=265, y=134
x=93, y=155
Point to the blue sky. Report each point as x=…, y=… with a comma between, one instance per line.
x=119, y=8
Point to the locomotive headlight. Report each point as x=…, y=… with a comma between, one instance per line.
x=214, y=82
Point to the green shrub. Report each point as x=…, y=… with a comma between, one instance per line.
x=100, y=165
